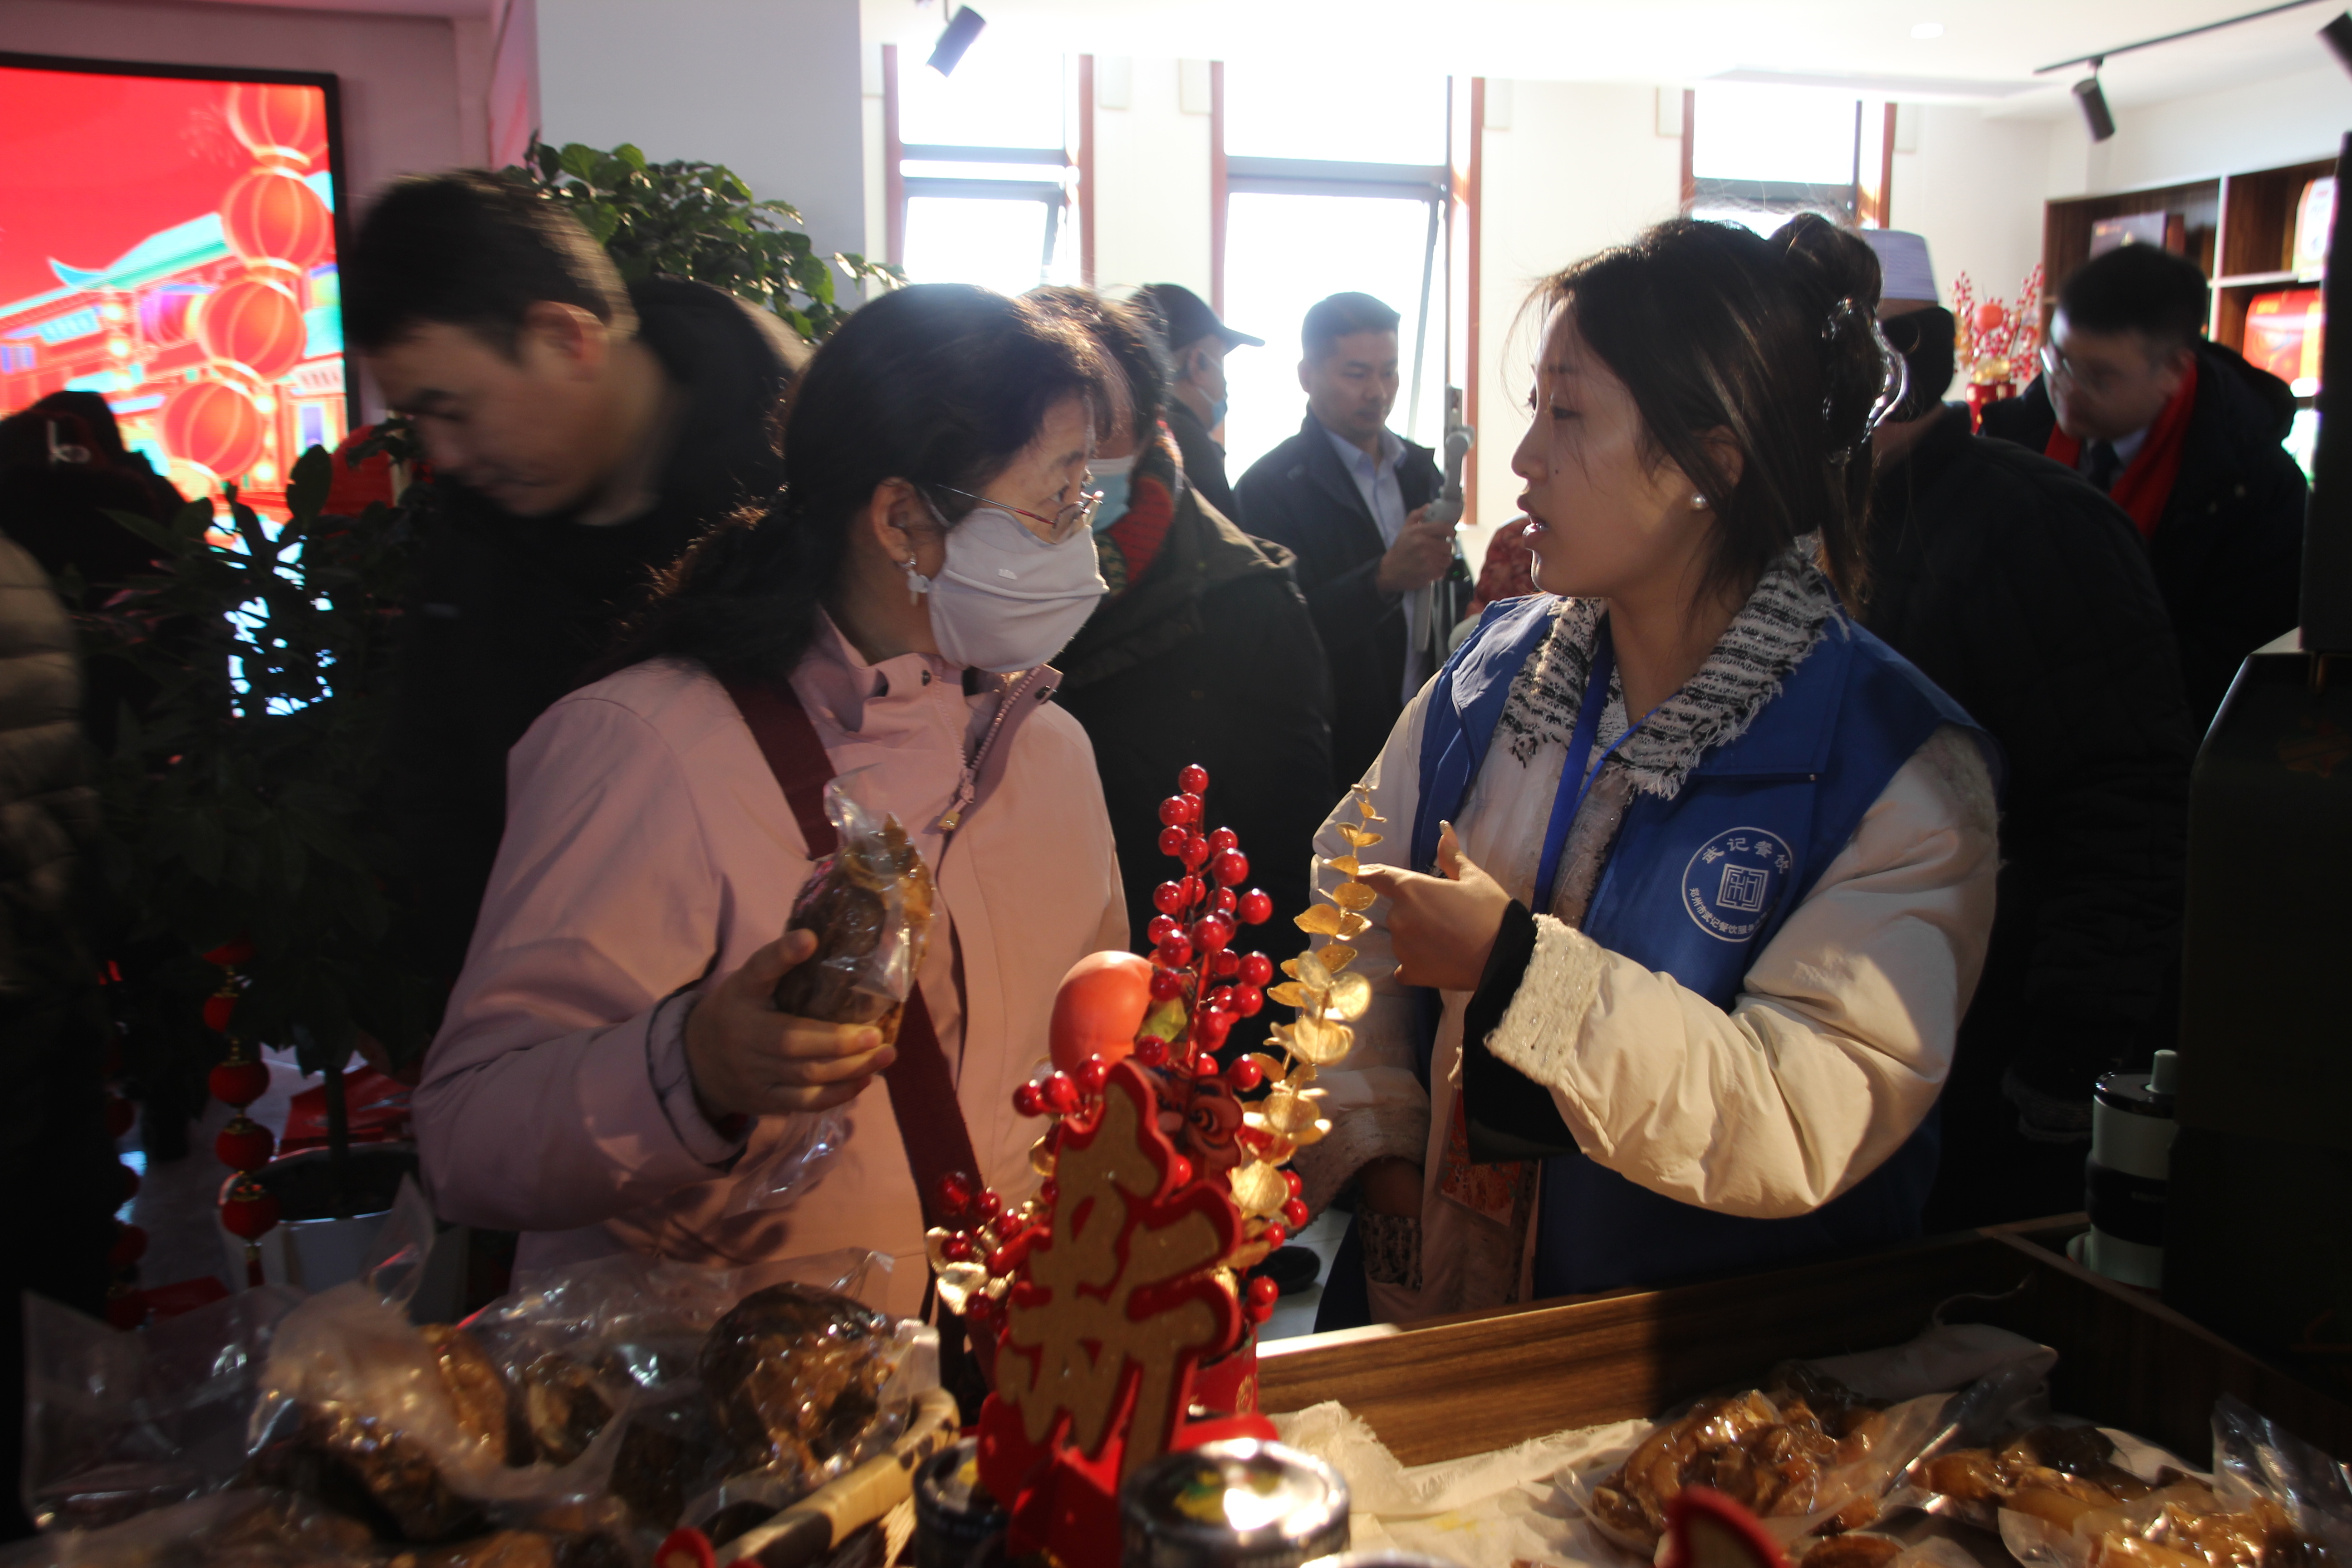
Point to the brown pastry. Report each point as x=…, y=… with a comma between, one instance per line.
x=506, y=1548
x=564, y=1406
x=1853, y=1552
x=486, y=1407
x=792, y=1374
x=849, y=906
x=2056, y=1497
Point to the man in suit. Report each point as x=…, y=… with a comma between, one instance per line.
x=1350, y=498
x=1197, y=345
x=2184, y=435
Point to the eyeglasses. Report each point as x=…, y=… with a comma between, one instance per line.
x=2055, y=363
x=1066, y=523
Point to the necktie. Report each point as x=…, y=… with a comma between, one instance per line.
x=2104, y=465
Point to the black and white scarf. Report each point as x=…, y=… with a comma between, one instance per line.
x=1786, y=615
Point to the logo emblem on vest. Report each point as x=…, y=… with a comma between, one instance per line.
x=1731, y=884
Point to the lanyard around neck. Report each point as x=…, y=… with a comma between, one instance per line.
x=1577, y=778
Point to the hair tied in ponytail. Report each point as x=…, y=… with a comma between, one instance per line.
x=1893, y=378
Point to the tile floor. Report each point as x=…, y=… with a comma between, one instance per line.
x=1294, y=1314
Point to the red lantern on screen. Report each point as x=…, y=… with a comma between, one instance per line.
x=255, y=324
x=167, y=315
x=283, y=123
x=271, y=218
x=213, y=426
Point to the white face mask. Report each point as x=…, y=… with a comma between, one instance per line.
x=1005, y=599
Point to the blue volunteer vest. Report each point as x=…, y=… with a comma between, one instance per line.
x=1693, y=887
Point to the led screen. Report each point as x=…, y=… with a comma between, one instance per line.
x=170, y=244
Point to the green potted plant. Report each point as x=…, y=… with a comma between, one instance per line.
x=700, y=221
x=238, y=831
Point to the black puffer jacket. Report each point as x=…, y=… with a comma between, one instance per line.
x=511, y=612
x=1211, y=658
x=2227, y=551
x=55, y=1155
x=2025, y=594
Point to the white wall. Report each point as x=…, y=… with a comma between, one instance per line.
x=1581, y=167
x=1974, y=187
x=1152, y=162
x=769, y=87
x=404, y=110
x=2258, y=125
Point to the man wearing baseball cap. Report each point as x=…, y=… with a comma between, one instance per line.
x=1197, y=345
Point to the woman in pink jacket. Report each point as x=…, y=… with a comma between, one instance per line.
x=612, y=1074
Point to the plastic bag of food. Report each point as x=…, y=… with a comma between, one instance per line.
x=1805, y=1453
x=248, y=1528
x=118, y=1424
x=582, y=1344
x=869, y=903
x=2273, y=1501
x=417, y=1431
x=804, y=1386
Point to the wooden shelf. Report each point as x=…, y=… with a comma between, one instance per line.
x=2238, y=228
x=2268, y=279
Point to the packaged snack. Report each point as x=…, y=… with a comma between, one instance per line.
x=869, y=903
x=1805, y=1453
x=2273, y=1501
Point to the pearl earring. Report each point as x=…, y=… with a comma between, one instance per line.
x=917, y=583
x=1698, y=503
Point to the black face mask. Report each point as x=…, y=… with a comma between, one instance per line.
x=1924, y=339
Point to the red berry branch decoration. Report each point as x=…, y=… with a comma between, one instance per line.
x=247, y=1208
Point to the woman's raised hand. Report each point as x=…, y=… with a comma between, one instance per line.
x=748, y=1059
x=1441, y=928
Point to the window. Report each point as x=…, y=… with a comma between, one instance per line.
x=985, y=172
x=1760, y=154
x=1335, y=183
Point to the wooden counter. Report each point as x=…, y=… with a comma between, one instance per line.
x=1454, y=1386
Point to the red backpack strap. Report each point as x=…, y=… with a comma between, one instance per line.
x=922, y=1088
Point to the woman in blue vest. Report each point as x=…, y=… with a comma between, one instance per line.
x=1688, y=877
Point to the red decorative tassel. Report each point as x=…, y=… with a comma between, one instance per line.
x=245, y=1144
x=219, y=1008
x=238, y=1082
x=231, y=955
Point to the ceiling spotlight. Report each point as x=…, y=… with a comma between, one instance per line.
x=2338, y=34
x=2095, y=105
x=961, y=30
x=1927, y=29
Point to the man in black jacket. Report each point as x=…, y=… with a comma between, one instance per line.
x=2025, y=594
x=1202, y=652
x=1348, y=498
x=580, y=436
x=2184, y=434
x=1197, y=345
x=55, y=1151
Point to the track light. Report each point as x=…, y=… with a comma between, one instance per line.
x=2095, y=104
x=2338, y=34
x=948, y=53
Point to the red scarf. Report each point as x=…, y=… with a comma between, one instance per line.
x=1144, y=527
x=2143, y=488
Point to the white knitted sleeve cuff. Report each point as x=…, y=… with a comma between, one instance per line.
x=1541, y=1027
